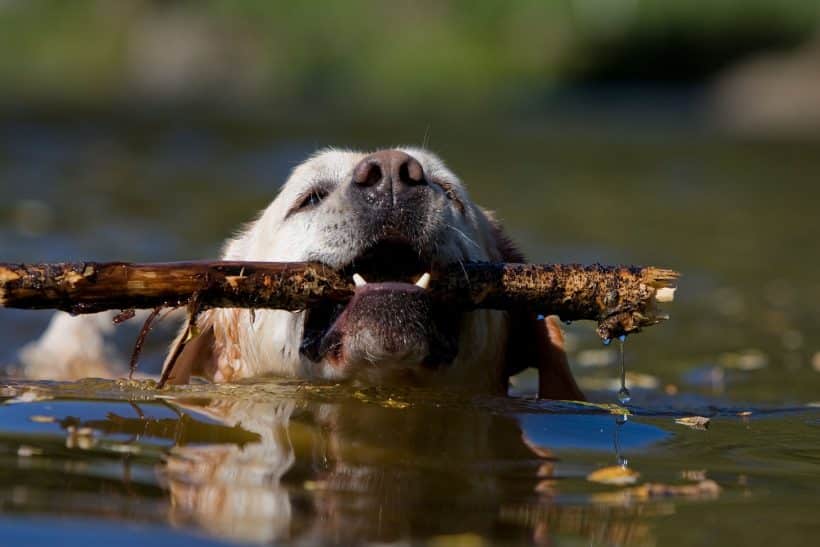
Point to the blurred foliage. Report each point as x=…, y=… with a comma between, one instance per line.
x=463, y=53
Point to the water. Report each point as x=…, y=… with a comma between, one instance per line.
x=282, y=461
x=285, y=461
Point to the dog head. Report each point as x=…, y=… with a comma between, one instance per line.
x=387, y=219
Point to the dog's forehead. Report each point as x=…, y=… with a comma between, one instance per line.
x=325, y=166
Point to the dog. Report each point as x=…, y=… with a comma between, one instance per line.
x=388, y=219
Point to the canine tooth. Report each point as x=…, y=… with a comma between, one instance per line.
x=359, y=280
x=665, y=294
x=424, y=281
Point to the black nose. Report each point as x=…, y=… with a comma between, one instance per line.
x=388, y=173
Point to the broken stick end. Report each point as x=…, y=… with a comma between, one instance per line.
x=659, y=277
x=661, y=285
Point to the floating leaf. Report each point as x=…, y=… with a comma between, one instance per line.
x=695, y=422
x=615, y=474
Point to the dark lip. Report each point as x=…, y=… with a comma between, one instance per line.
x=393, y=259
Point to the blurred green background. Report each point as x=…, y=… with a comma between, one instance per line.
x=682, y=134
x=455, y=56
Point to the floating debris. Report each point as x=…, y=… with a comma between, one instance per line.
x=394, y=403
x=26, y=451
x=40, y=419
x=697, y=475
x=388, y=402
x=612, y=408
x=695, y=422
x=703, y=489
x=706, y=489
x=614, y=474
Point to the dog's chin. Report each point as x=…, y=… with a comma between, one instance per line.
x=391, y=329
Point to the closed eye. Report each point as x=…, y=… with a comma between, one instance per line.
x=308, y=200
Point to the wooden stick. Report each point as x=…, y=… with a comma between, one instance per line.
x=621, y=299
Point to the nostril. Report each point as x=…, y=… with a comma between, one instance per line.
x=367, y=173
x=411, y=172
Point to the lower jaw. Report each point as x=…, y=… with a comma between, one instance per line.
x=386, y=325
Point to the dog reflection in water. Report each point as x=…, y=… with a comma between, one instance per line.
x=352, y=471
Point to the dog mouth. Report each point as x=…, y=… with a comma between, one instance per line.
x=391, y=320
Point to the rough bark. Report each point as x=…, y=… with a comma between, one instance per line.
x=620, y=299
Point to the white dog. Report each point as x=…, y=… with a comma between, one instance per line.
x=388, y=219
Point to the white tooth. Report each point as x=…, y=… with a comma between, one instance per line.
x=424, y=281
x=359, y=280
x=665, y=294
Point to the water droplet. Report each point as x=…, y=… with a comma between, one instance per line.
x=607, y=341
x=623, y=394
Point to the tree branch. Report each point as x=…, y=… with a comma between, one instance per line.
x=620, y=299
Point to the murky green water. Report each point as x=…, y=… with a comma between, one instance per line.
x=101, y=460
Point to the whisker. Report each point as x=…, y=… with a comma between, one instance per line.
x=465, y=236
x=463, y=269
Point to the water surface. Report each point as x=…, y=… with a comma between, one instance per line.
x=283, y=461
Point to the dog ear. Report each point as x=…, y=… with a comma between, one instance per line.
x=534, y=342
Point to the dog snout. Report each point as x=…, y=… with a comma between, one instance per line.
x=388, y=173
